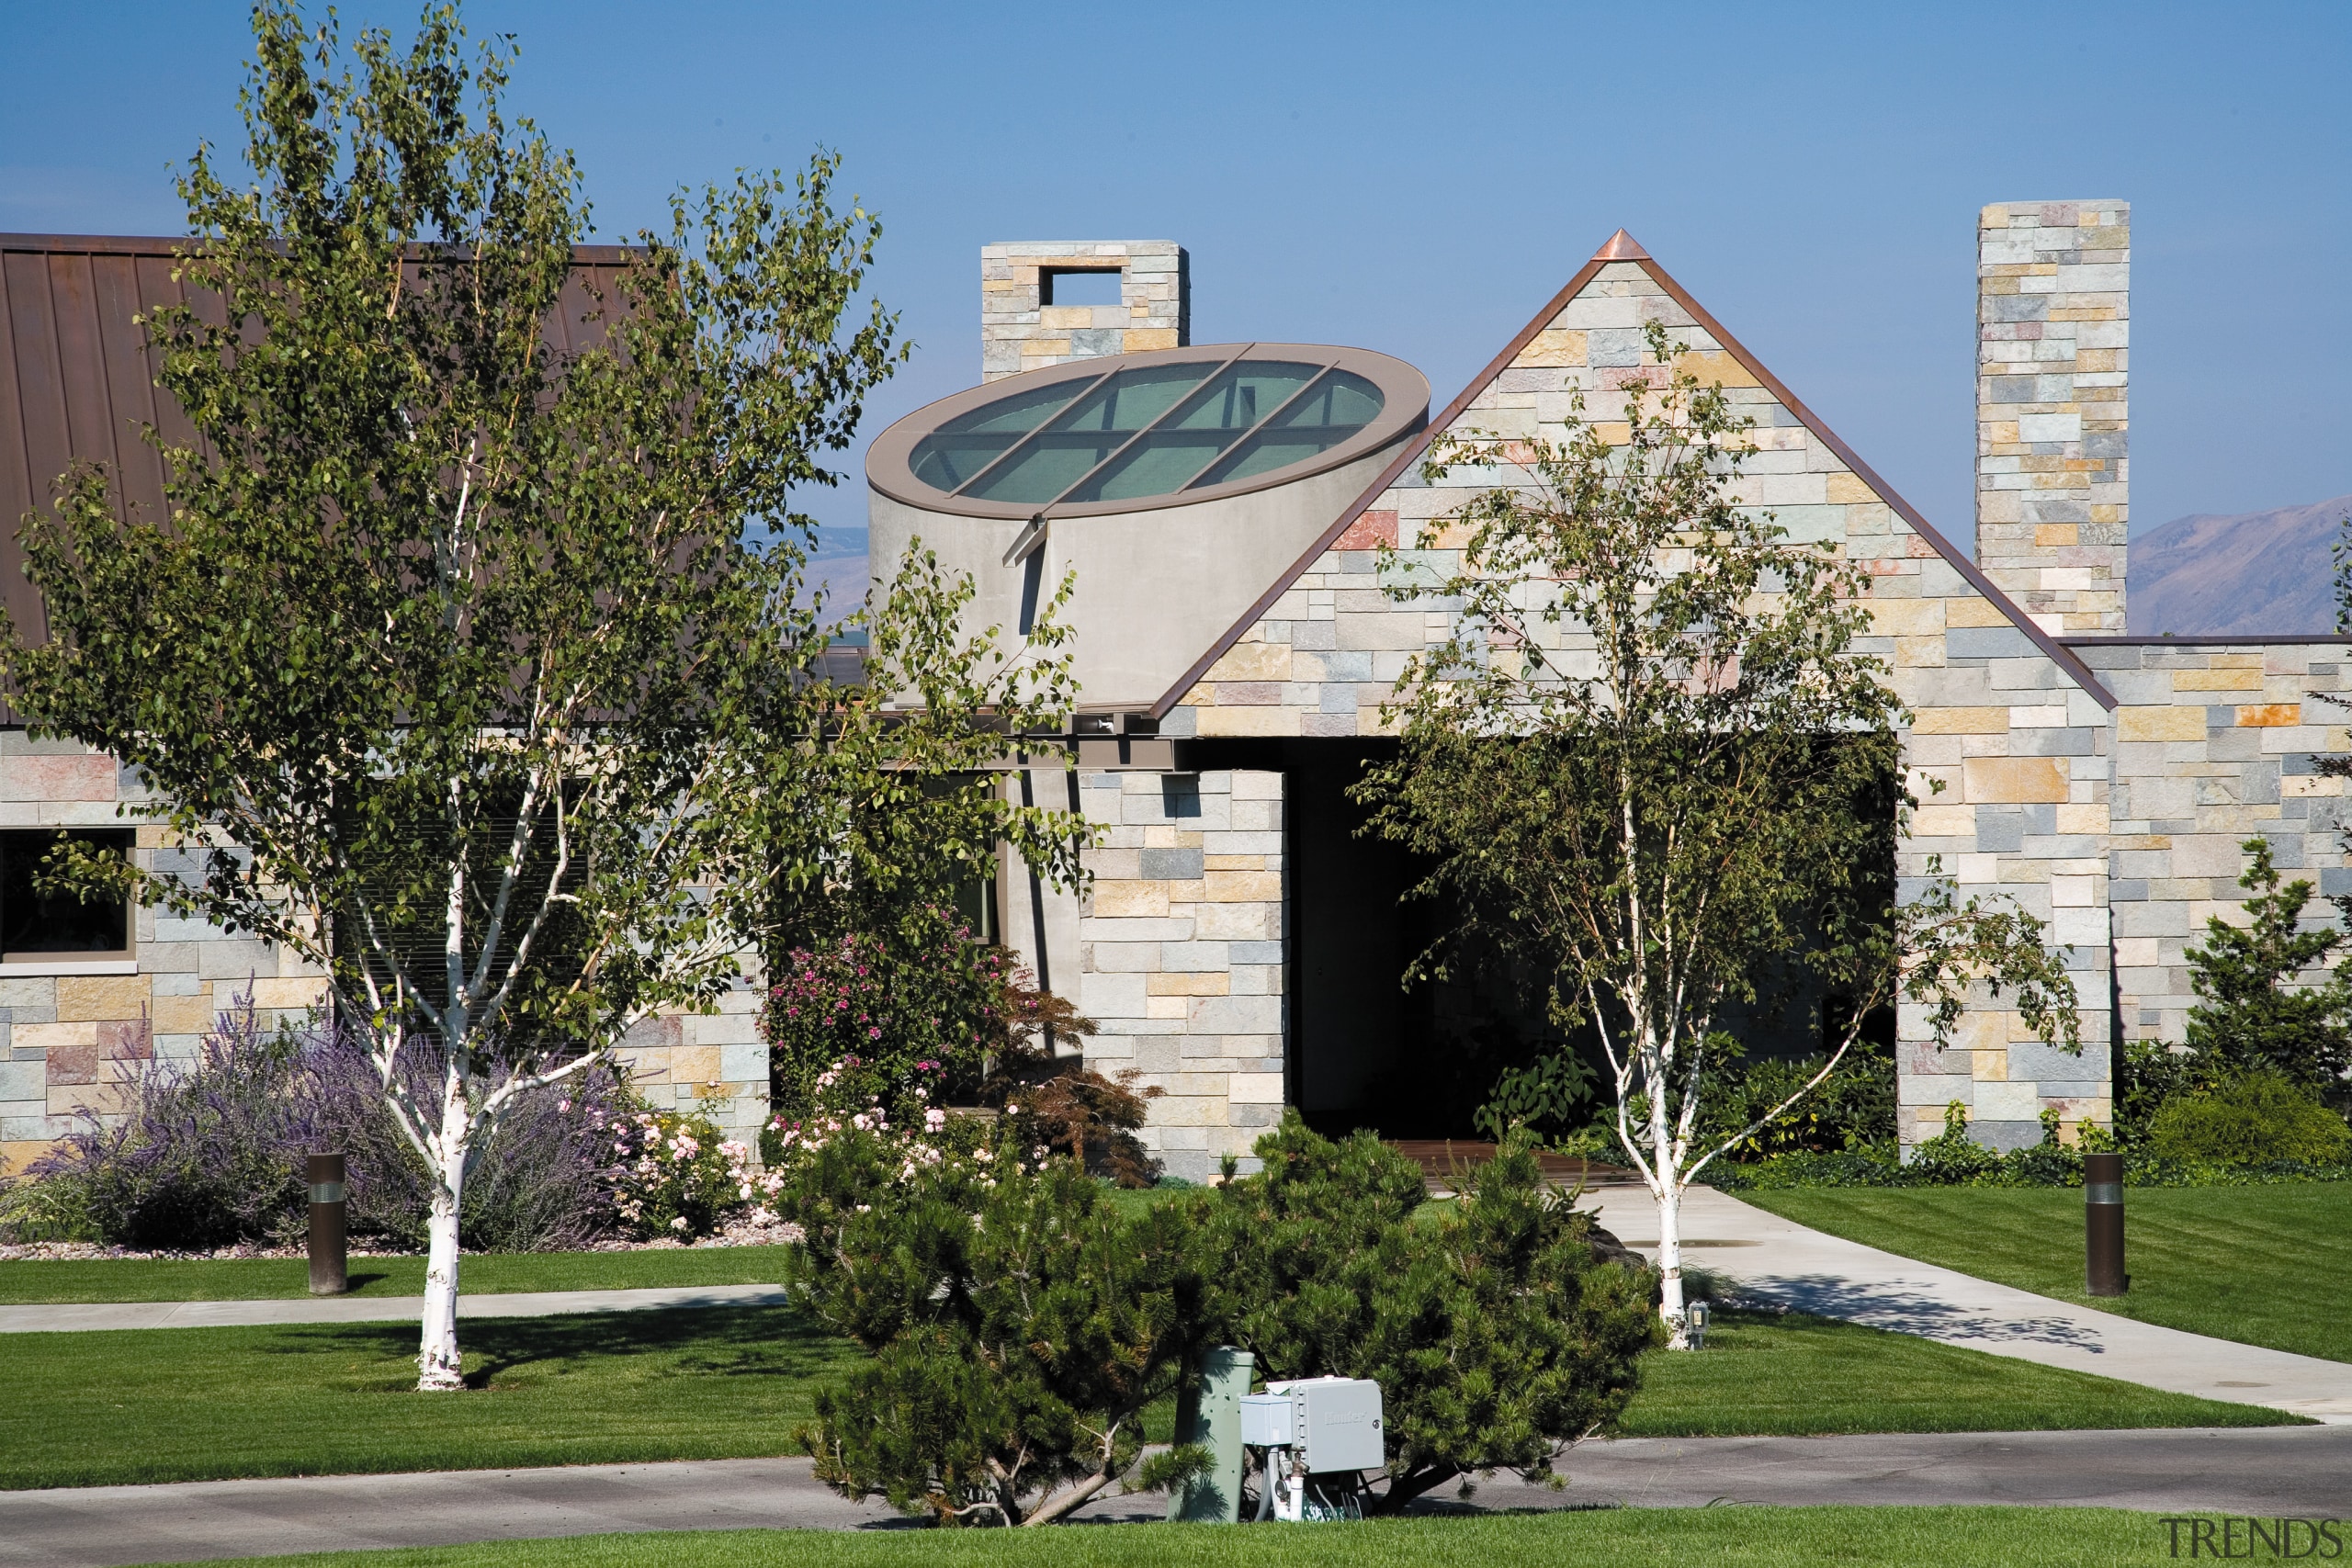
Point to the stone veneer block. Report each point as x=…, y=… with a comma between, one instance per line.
x=1170, y=938
x=2053, y=421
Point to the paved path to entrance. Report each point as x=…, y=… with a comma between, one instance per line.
x=2303, y=1470
x=77, y=1318
x=1812, y=1271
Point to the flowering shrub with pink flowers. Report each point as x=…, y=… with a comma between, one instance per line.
x=921, y=1011
x=674, y=1175
x=852, y=1101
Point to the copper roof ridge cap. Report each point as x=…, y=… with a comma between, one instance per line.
x=1620, y=246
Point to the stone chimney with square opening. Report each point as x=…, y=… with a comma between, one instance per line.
x=1023, y=327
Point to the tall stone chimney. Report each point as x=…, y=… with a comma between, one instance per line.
x=1022, y=327
x=2054, y=283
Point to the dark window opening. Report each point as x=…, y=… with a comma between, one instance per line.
x=1079, y=285
x=41, y=920
x=976, y=904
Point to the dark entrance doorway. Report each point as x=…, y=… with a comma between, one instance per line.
x=1365, y=1050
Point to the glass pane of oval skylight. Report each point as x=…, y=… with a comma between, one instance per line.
x=1047, y=465
x=1158, y=465
x=1335, y=410
x=1132, y=399
x=1342, y=399
x=962, y=447
x=1244, y=394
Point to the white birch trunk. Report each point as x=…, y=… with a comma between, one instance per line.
x=1670, y=1306
x=439, y=1368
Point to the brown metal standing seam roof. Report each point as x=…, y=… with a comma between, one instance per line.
x=77, y=374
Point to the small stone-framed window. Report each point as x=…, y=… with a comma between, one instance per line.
x=1079, y=284
x=42, y=922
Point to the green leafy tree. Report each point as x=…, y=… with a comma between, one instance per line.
x=1497, y=1336
x=1018, y=1322
x=476, y=673
x=2252, y=1011
x=1651, y=760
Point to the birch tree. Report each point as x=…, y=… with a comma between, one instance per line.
x=1652, y=759
x=469, y=656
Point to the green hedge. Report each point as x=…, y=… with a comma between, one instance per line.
x=2040, y=1166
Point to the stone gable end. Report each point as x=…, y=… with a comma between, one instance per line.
x=2008, y=756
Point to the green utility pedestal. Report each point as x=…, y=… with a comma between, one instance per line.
x=1208, y=1412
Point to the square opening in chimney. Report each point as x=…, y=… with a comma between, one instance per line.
x=1078, y=285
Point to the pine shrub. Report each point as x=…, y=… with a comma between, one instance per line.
x=1017, y=1323
x=1497, y=1335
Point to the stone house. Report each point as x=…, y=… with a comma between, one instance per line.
x=1241, y=947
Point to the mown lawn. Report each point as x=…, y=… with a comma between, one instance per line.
x=259, y=1278
x=1800, y=1376
x=2259, y=1265
x=1623, y=1537
x=317, y=1399
x=201, y=1404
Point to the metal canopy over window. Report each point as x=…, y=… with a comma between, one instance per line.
x=1150, y=430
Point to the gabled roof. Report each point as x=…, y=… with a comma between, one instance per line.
x=1623, y=247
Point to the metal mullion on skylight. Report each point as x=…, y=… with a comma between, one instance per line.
x=1237, y=442
x=1022, y=444
x=1180, y=405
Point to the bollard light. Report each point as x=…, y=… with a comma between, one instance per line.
x=329, y=1232
x=2103, y=1226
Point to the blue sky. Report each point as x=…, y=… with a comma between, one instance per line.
x=1420, y=179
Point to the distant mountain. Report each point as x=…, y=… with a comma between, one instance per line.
x=843, y=580
x=2252, y=574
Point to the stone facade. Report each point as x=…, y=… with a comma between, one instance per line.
x=1021, y=329
x=71, y=1030
x=2103, y=782
x=2053, y=324
x=2215, y=744
x=1181, y=953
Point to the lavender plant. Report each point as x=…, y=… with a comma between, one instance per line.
x=209, y=1152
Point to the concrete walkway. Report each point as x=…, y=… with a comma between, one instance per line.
x=79, y=1317
x=1806, y=1269
x=2302, y=1470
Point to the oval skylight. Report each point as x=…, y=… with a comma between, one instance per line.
x=1151, y=429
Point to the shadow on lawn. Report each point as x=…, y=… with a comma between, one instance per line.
x=1914, y=1312
x=771, y=1342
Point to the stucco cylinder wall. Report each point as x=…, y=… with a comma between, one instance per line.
x=1154, y=589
